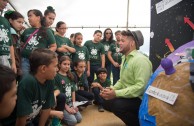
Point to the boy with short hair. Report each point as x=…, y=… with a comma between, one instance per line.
x=8, y=90
x=98, y=85
x=96, y=54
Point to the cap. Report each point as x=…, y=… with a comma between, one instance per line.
x=139, y=40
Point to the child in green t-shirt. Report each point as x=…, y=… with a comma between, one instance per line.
x=35, y=95
x=81, y=52
x=82, y=94
x=8, y=91
x=98, y=85
x=35, y=37
x=64, y=45
x=6, y=45
x=64, y=83
x=96, y=54
x=16, y=21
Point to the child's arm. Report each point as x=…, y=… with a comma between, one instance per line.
x=69, y=109
x=53, y=47
x=21, y=121
x=13, y=65
x=58, y=114
x=70, y=49
x=111, y=59
x=44, y=116
x=88, y=68
x=96, y=84
x=73, y=96
x=103, y=60
x=56, y=93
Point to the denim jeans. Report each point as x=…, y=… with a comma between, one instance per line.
x=25, y=66
x=108, y=68
x=72, y=119
x=116, y=74
x=93, y=70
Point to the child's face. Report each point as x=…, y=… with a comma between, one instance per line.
x=65, y=66
x=50, y=18
x=33, y=19
x=3, y=4
x=62, y=29
x=102, y=76
x=51, y=70
x=79, y=40
x=17, y=24
x=81, y=67
x=97, y=37
x=9, y=101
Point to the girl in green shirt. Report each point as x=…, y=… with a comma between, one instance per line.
x=64, y=45
x=35, y=37
x=64, y=83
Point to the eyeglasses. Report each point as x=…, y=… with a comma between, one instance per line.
x=108, y=33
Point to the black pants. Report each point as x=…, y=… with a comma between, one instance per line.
x=61, y=99
x=126, y=109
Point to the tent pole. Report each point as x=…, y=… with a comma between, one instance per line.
x=127, y=14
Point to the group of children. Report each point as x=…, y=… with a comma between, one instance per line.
x=49, y=84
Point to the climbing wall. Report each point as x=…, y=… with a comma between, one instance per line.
x=172, y=25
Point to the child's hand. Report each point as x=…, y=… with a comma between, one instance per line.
x=76, y=109
x=70, y=109
x=95, y=84
x=59, y=114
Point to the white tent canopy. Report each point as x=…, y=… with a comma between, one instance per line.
x=86, y=16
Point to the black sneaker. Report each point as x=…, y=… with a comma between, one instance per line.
x=100, y=108
x=95, y=102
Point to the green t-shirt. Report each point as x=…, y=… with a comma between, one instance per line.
x=63, y=41
x=66, y=86
x=36, y=41
x=80, y=81
x=116, y=55
x=95, y=52
x=80, y=54
x=34, y=96
x=106, y=45
x=105, y=84
x=5, y=36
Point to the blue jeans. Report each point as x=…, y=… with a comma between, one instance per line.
x=108, y=68
x=93, y=70
x=25, y=66
x=116, y=74
x=72, y=119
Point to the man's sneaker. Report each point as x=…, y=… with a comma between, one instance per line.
x=56, y=122
x=100, y=108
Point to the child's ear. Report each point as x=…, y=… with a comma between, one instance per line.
x=42, y=68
